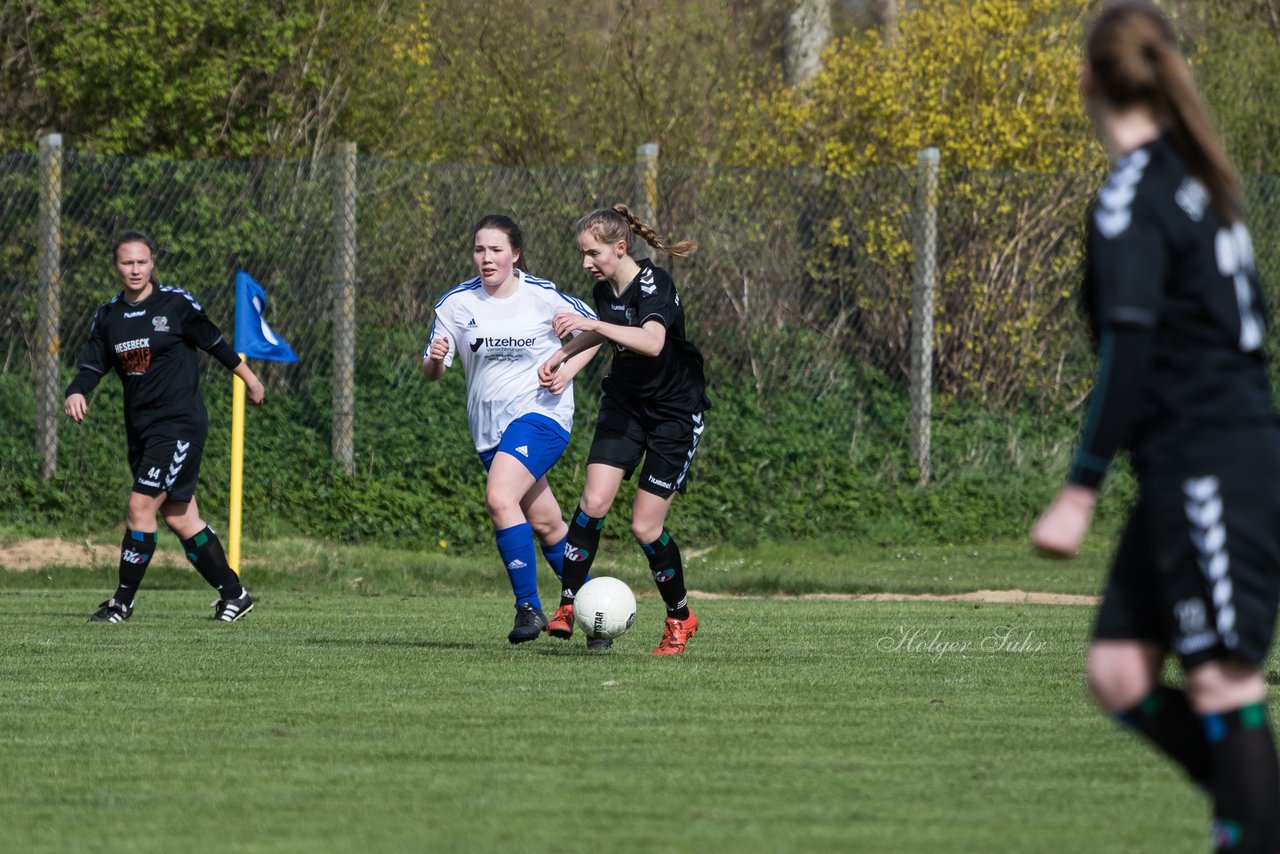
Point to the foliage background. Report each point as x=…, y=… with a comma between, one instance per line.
x=212, y=125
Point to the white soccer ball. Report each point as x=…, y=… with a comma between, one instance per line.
x=604, y=607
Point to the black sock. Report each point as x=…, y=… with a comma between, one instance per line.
x=579, y=553
x=1165, y=718
x=206, y=555
x=1246, y=780
x=136, y=550
x=668, y=574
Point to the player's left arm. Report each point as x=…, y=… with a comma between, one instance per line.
x=203, y=333
x=647, y=340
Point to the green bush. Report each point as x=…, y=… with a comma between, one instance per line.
x=800, y=468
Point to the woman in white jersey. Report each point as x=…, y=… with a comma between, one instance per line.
x=500, y=324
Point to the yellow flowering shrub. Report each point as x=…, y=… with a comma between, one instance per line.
x=993, y=85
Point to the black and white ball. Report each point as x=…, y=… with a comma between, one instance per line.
x=605, y=607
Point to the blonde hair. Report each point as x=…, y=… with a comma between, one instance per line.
x=609, y=225
x=1134, y=60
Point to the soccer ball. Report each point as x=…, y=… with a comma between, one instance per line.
x=604, y=607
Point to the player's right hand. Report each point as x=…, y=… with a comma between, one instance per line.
x=1061, y=529
x=76, y=406
x=439, y=349
x=547, y=370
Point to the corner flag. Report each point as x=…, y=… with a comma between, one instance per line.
x=254, y=338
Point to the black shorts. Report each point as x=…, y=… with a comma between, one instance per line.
x=165, y=464
x=1197, y=570
x=666, y=441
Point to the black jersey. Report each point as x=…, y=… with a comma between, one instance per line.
x=151, y=345
x=672, y=380
x=1174, y=303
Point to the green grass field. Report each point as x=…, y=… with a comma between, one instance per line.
x=389, y=714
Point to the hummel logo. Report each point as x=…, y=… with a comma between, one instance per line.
x=472, y=324
x=135, y=313
x=523, y=450
x=517, y=564
x=475, y=345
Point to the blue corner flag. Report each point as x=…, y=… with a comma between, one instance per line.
x=254, y=338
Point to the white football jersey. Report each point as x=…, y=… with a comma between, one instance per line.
x=502, y=342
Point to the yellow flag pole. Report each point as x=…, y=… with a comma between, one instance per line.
x=237, y=470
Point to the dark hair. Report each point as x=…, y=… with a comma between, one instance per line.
x=131, y=237
x=507, y=226
x=1134, y=60
x=609, y=225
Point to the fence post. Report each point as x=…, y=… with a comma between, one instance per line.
x=48, y=304
x=344, y=309
x=922, y=296
x=646, y=204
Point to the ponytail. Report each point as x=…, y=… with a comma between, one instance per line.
x=609, y=225
x=1134, y=60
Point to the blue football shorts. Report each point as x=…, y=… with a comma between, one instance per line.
x=535, y=440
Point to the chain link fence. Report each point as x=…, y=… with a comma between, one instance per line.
x=802, y=284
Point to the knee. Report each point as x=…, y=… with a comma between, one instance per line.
x=645, y=532
x=183, y=525
x=595, y=504
x=546, y=529
x=500, y=504
x=1114, y=686
x=1219, y=686
x=141, y=512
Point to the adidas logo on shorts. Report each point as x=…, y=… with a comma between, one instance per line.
x=523, y=450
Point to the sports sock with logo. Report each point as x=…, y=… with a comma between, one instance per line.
x=579, y=553
x=668, y=574
x=1245, y=782
x=136, y=550
x=554, y=555
x=515, y=546
x=204, y=550
x=1165, y=718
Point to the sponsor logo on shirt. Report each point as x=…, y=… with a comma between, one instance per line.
x=138, y=313
x=503, y=349
x=471, y=324
x=134, y=356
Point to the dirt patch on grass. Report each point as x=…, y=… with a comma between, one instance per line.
x=33, y=555
x=994, y=597
x=38, y=554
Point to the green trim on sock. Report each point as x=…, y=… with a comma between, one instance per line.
x=1153, y=702
x=1253, y=717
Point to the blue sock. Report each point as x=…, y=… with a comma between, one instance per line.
x=555, y=555
x=515, y=545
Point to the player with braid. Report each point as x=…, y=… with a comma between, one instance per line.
x=148, y=334
x=651, y=410
x=1175, y=306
